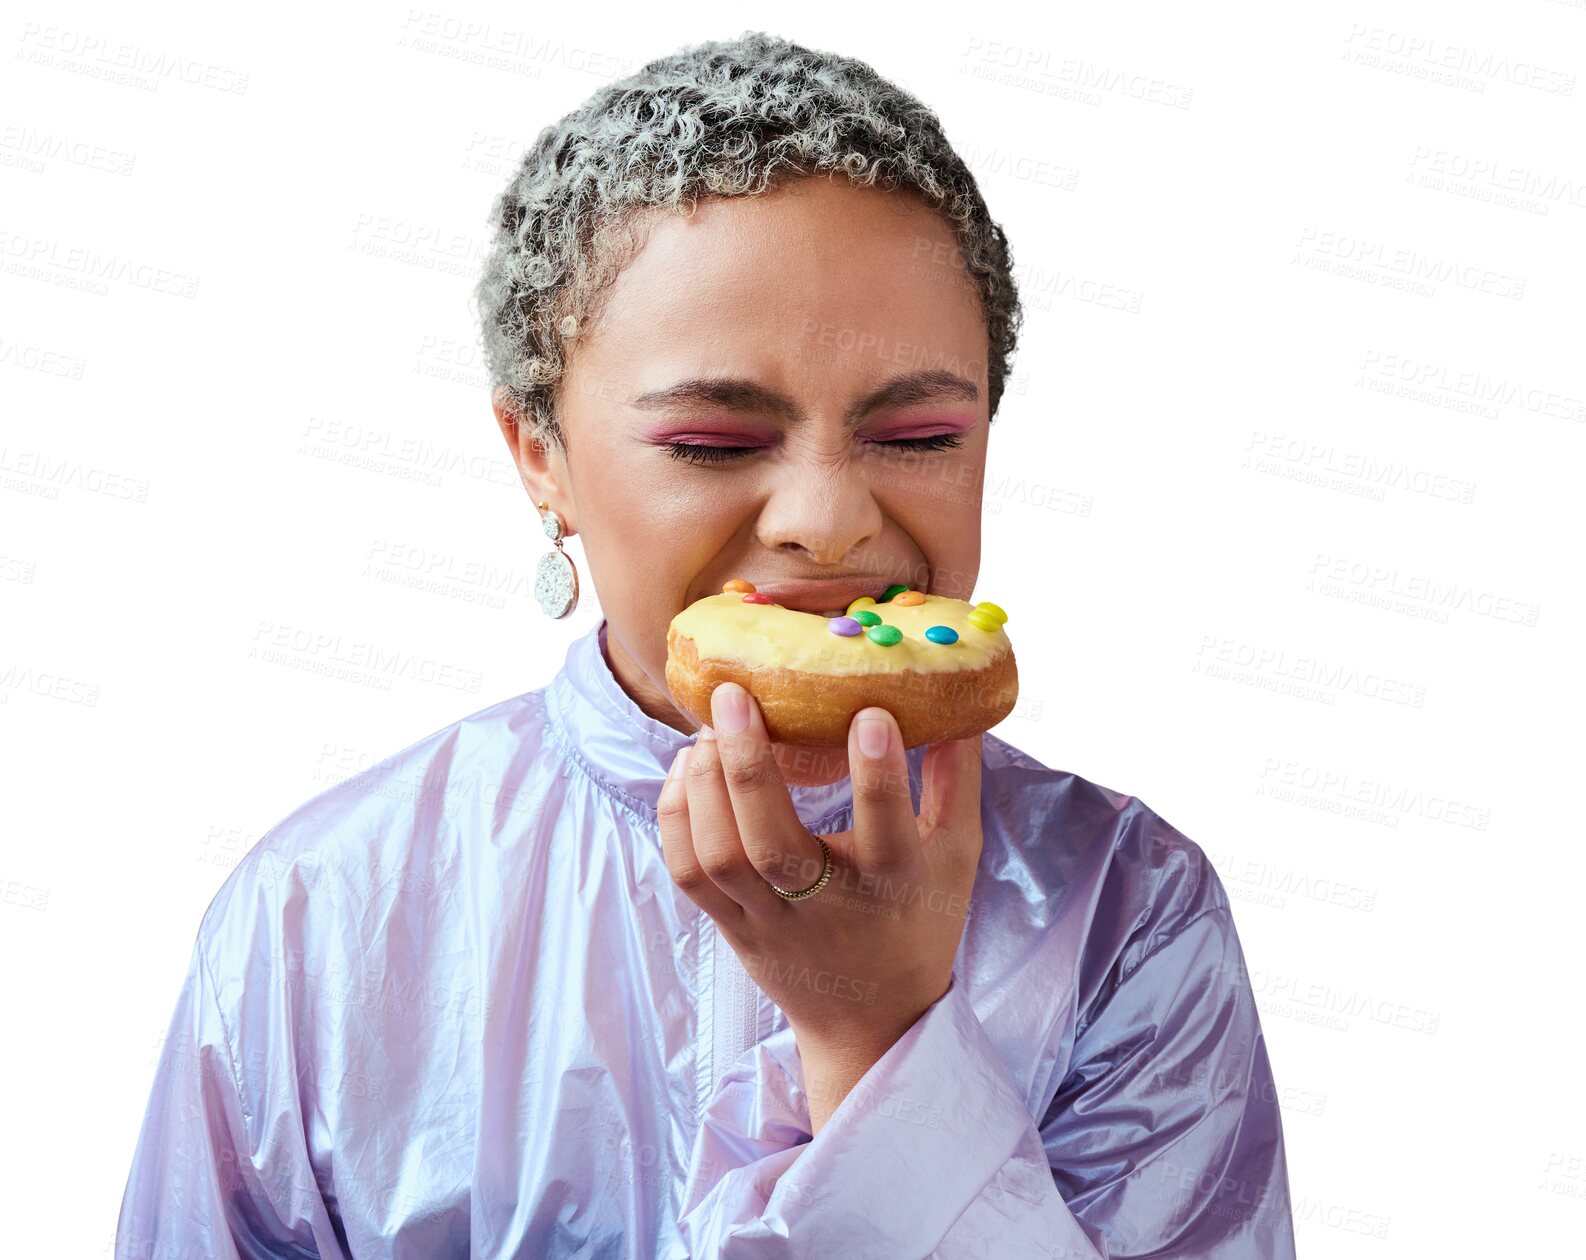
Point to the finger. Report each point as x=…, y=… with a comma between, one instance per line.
x=677, y=844
x=950, y=774
x=779, y=846
x=715, y=830
x=886, y=834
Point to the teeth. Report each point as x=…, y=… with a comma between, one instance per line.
x=838, y=613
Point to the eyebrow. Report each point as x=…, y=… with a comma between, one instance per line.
x=741, y=394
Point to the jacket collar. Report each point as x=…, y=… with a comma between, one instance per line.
x=627, y=752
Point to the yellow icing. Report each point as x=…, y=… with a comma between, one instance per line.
x=769, y=636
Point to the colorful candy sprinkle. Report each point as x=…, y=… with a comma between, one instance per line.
x=737, y=585
x=982, y=620
x=891, y=591
x=865, y=617
x=754, y=597
x=993, y=610
x=909, y=598
x=845, y=626
x=864, y=601
x=885, y=635
x=942, y=634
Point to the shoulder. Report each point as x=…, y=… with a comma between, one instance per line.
x=391, y=830
x=1066, y=827
x=1117, y=879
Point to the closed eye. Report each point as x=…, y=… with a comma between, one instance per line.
x=721, y=454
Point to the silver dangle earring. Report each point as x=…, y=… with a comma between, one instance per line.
x=556, y=582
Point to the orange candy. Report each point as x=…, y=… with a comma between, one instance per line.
x=908, y=598
x=738, y=587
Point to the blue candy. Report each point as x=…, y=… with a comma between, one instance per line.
x=942, y=634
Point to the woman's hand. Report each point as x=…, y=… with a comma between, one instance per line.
x=856, y=964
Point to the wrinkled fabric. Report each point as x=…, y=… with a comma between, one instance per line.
x=456, y=1005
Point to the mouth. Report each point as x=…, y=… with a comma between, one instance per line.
x=826, y=597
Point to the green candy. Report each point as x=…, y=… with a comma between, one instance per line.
x=890, y=592
x=866, y=618
x=885, y=635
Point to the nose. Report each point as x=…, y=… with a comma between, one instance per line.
x=821, y=509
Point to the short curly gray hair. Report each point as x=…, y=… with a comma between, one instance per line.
x=725, y=118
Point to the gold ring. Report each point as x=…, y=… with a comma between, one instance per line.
x=818, y=884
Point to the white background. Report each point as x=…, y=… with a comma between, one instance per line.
x=1283, y=500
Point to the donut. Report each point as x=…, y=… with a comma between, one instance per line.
x=942, y=667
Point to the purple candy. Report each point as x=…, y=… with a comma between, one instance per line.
x=846, y=626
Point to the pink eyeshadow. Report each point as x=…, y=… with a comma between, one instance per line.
x=917, y=425
x=712, y=437
x=925, y=426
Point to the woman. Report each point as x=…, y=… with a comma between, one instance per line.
x=572, y=977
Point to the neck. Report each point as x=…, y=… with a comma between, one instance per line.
x=653, y=701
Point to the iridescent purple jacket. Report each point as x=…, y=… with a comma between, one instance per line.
x=457, y=1006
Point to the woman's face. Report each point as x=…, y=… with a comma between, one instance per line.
x=828, y=336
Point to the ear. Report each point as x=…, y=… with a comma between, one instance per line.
x=542, y=467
